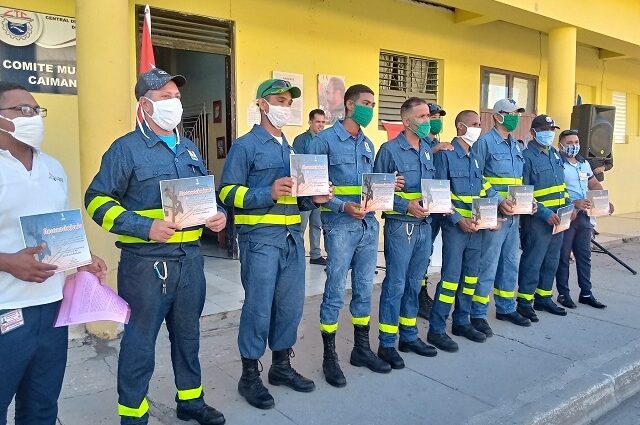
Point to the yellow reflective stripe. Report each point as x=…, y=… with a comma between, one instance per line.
x=238, y=199
x=486, y=185
x=287, y=200
x=408, y=321
x=97, y=202
x=471, y=279
x=464, y=212
x=452, y=286
x=324, y=209
x=527, y=297
x=503, y=193
x=503, y=294
x=544, y=292
x=483, y=193
x=360, y=320
x=224, y=191
x=504, y=180
x=549, y=190
x=277, y=219
x=347, y=190
x=178, y=237
x=111, y=215
x=156, y=213
x=390, y=329
x=554, y=202
x=480, y=299
x=446, y=299
x=468, y=291
x=328, y=328
x=190, y=394
x=424, y=282
x=409, y=195
x=133, y=412
x=467, y=199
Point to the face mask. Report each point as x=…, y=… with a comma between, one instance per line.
x=421, y=129
x=278, y=116
x=472, y=134
x=436, y=126
x=545, y=138
x=570, y=150
x=510, y=122
x=362, y=114
x=167, y=113
x=28, y=130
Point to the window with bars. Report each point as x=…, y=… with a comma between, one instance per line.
x=402, y=77
x=619, y=100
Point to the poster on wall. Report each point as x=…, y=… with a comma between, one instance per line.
x=296, y=107
x=38, y=51
x=331, y=90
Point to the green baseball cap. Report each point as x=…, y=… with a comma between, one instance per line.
x=277, y=86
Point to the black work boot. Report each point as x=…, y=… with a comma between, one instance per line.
x=483, y=326
x=424, y=303
x=442, y=341
x=330, y=366
x=469, y=332
x=528, y=312
x=199, y=411
x=281, y=373
x=391, y=356
x=362, y=354
x=251, y=387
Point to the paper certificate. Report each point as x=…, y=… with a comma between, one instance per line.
x=188, y=202
x=485, y=212
x=377, y=191
x=310, y=174
x=522, y=198
x=436, y=196
x=565, y=214
x=86, y=300
x=61, y=234
x=599, y=202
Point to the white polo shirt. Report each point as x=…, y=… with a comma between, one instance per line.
x=22, y=192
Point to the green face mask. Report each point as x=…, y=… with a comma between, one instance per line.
x=362, y=114
x=436, y=125
x=510, y=122
x=421, y=129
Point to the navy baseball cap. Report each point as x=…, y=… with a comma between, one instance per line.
x=436, y=109
x=155, y=79
x=543, y=122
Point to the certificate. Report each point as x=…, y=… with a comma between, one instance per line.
x=310, y=174
x=485, y=212
x=522, y=199
x=377, y=191
x=436, y=196
x=62, y=236
x=565, y=214
x=188, y=202
x=599, y=202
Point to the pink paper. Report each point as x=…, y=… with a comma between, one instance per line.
x=86, y=300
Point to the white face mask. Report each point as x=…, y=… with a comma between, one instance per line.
x=28, y=130
x=472, y=134
x=167, y=113
x=278, y=115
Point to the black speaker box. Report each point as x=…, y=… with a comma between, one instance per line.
x=595, y=129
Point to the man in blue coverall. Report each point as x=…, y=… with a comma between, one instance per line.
x=161, y=271
x=351, y=234
x=501, y=161
x=256, y=182
x=312, y=218
x=543, y=169
x=461, y=239
x=407, y=234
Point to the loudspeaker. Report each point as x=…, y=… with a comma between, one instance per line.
x=595, y=129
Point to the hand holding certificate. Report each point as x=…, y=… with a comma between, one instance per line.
x=565, y=214
x=485, y=213
x=188, y=202
x=61, y=237
x=522, y=199
x=377, y=192
x=310, y=174
x=436, y=196
x=599, y=201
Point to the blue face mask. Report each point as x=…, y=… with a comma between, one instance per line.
x=545, y=138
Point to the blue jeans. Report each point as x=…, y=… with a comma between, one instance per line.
x=315, y=230
x=33, y=358
x=351, y=245
x=405, y=258
x=181, y=308
x=273, y=282
x=460, y=265
x=539, y=261
x=577, y=238
x=498, y=269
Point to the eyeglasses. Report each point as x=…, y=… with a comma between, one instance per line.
x=566, y=133
x=277, y=84
x=28, y=111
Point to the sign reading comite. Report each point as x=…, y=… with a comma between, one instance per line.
x=38, y=51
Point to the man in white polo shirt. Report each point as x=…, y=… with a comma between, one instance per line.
x=33, y=354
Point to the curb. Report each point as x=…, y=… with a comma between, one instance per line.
x=586, y=390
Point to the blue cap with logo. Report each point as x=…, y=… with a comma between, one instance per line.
x=155, y=79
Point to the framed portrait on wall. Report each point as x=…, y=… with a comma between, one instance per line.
x=217, y=111
x=221, y=147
